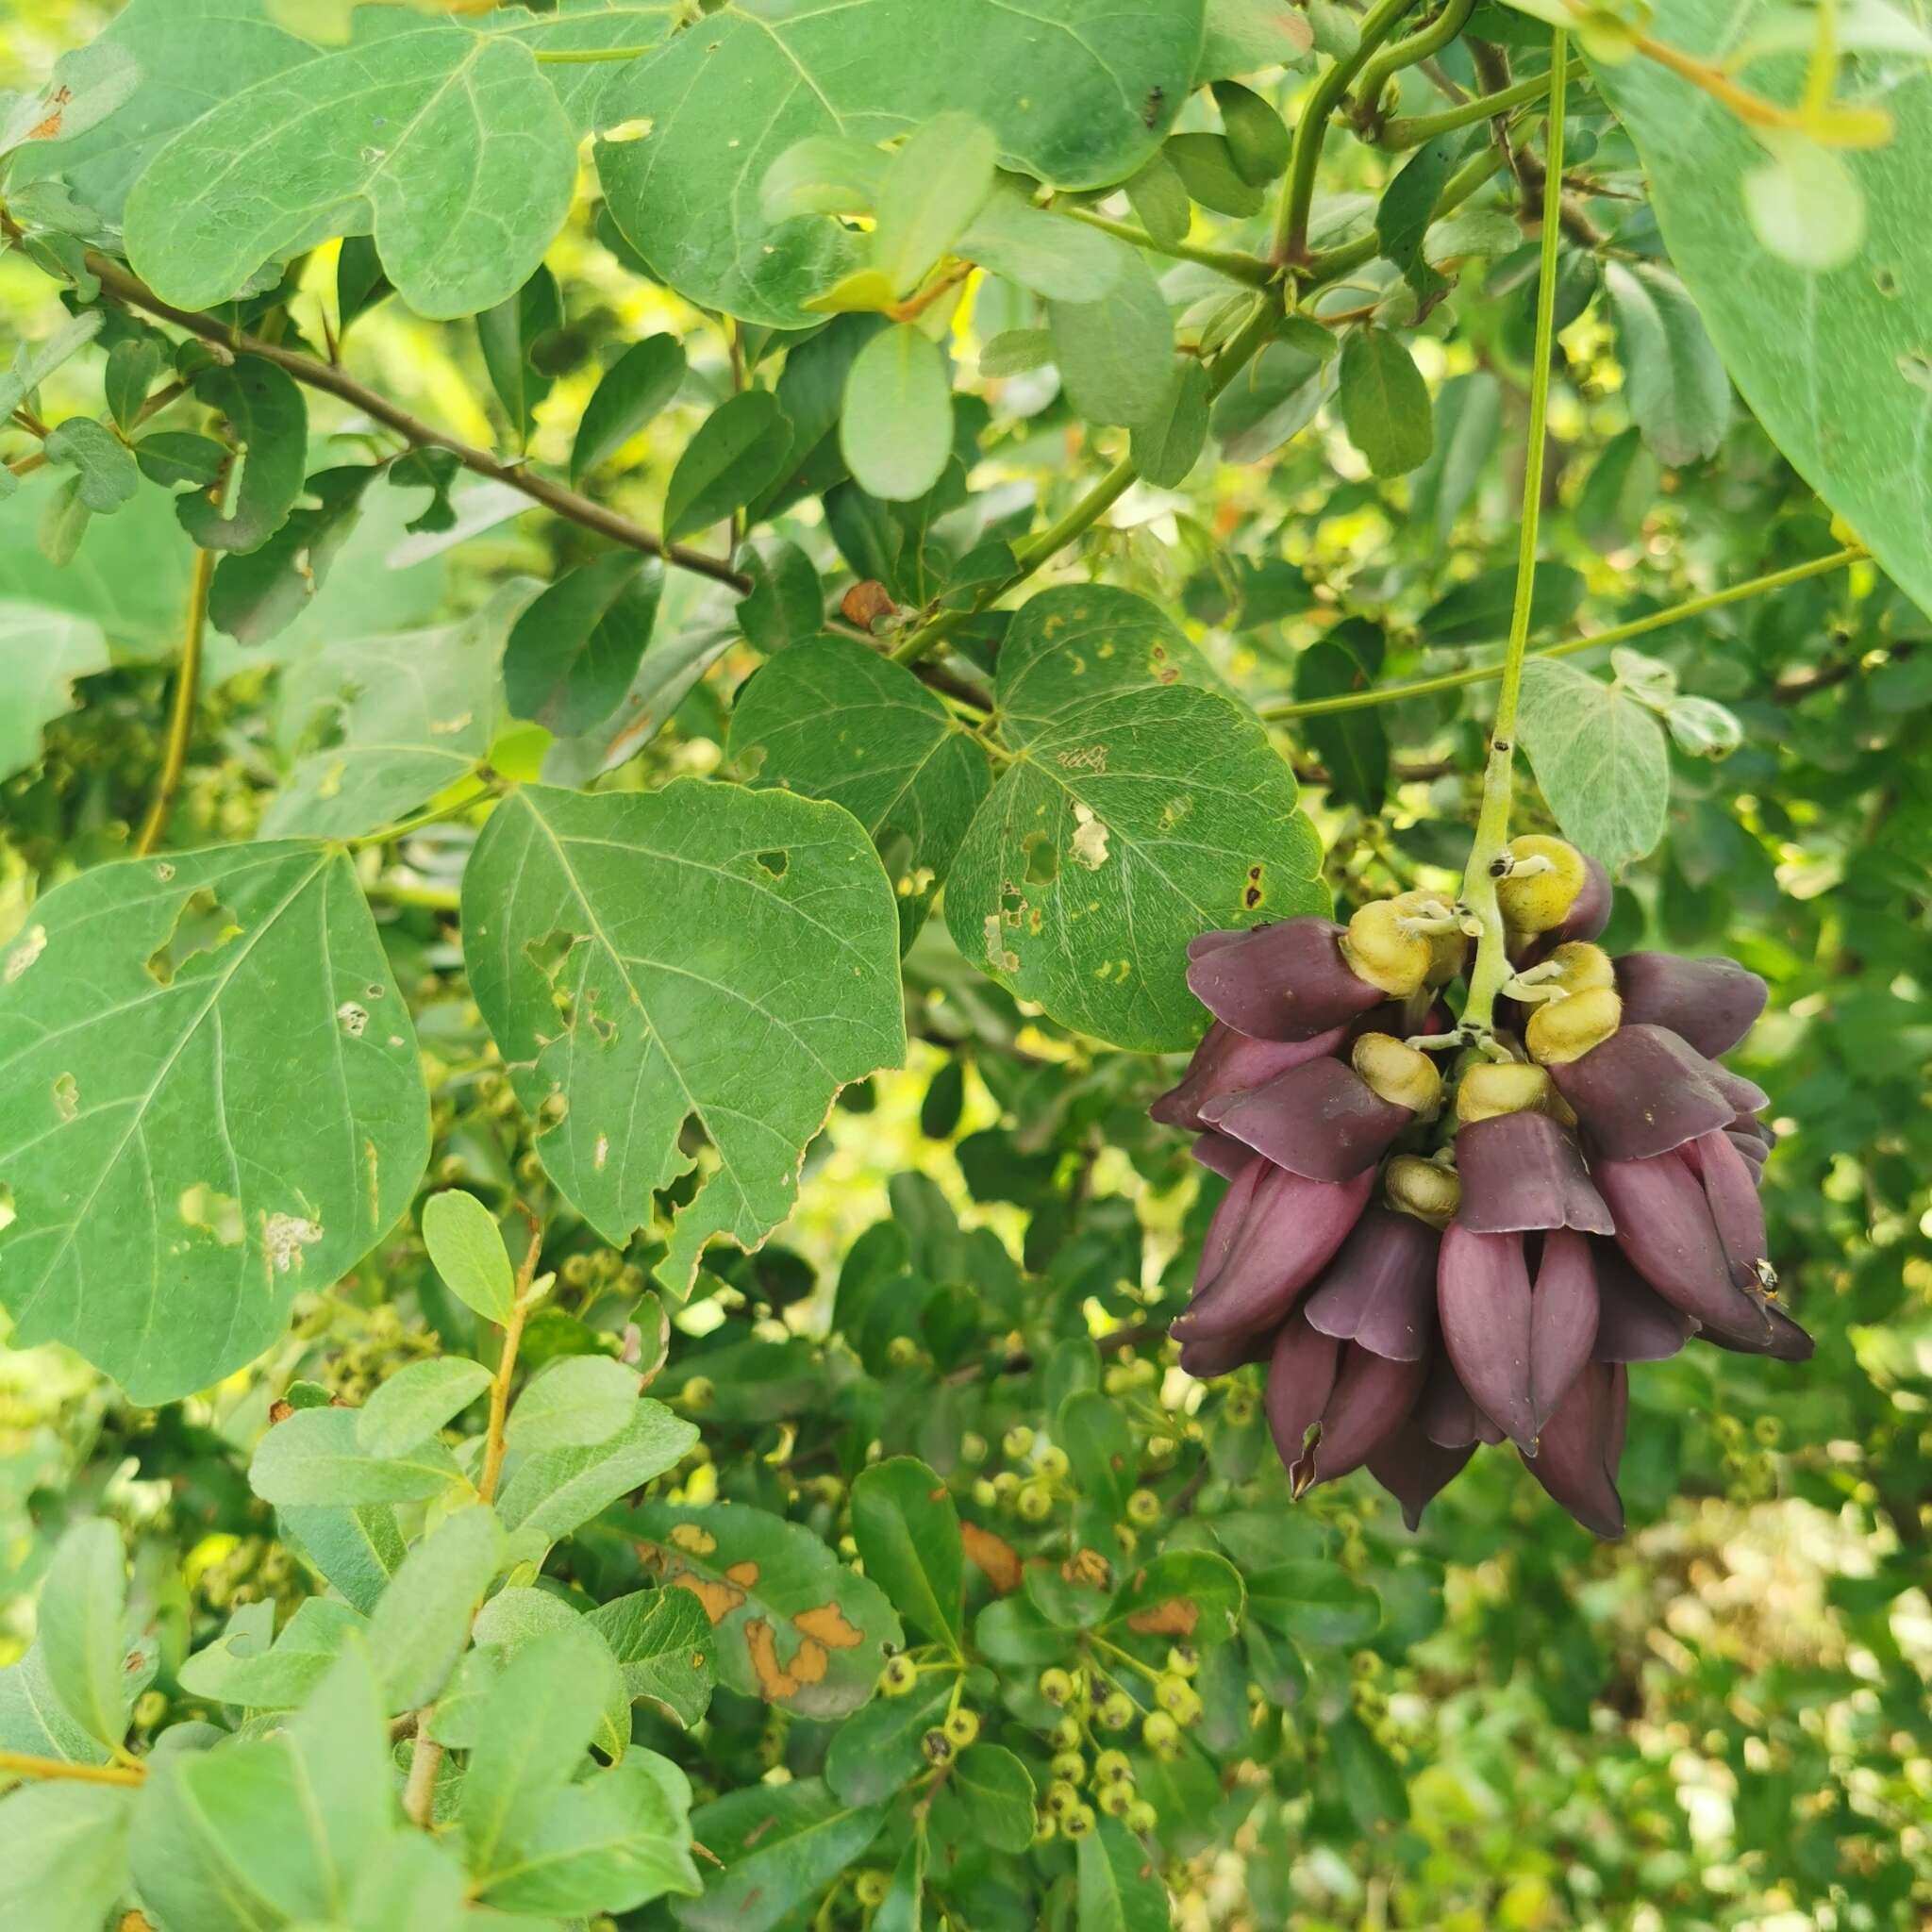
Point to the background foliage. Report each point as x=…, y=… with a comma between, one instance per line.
x=933, y=1412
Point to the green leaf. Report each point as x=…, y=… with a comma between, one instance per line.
x=83, y=1610
x=834, y=720
x=1116, y=354
x=903, y=1908
x=689, y=204
x=537, y=1728
x=509, y=335
x=608, y=1844
x=1010, y=1631
x=33, y=362
x=1158, y=197
x=1479, y=611
x=635, y=389
x=1313, y=1602
x=1165, y=452
x=466, y=1246
x=997, y=1792
x=422, y=1623
x=1600, y=759
x=1190, y=1596
x=356, y=1551
x=102, y=463
x=417, y=1400
x=1244, y=35
x=1136, y=814
x=1047, y=253
x=936, y=182
x=877, y=1750
x=177, y=460
x=154, y=1014
x=907, y=1533
x=659, y=925
x=553, y=1492
x=1258, y=138
x=739, y=448
x=1409, y=204
x=786, y=604
x=662, y=1639
x=793, y=1625
x=1094, y=1431
x=447, y=146
x=257, y=595
x=1353, y=744
x=573, y=1404
x=1385, y=402
x=42, y=652
x=1831, y=364
x=1468, y=413
x=1674, y=383
x=823, y=174
x=518, y=1615
x=66, y=1860
x=312, y=1458
x=399, y=719
x=268, y=423
x=1277, y=395
x=1119, y=1889
x=412, y=1884
x=782, y=1845
x=233, y=1670
x=573, y=653
x=33, y=1720
x=896, y=429
x=1206, y=164
x=1372, y=1783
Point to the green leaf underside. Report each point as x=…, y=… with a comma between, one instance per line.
x=1834, y=365
x=792, y=1624
x=871, y=69
x=446, y=144
x=1600, y=757
x=833, y=719
x=1139, y=809
x=212, y=1101
x=698, y=953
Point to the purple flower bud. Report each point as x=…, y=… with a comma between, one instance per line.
x=1731, y=1190
x=1205, y=1360
x=1416, y=1471
x=1516, y=1348
x=1751, y=1148
x=1665, y=1228
x=1711, y=1002
x=1634, y=1323
x=1582, y=1445
x=1356, y=1399
x=1380, y=1291
x=1448, y=1417
x=1642, y=1092
x=1226, y=1063
x=1220, y=1154
x=1278, y=982
x=1785, y=1342
x=1271, y=1237
x=1523, y=1171
x=1320, y=1120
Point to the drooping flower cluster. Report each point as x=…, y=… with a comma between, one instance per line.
x=1426, y=1268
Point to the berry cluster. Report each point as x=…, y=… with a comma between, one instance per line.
x=1426, y=1265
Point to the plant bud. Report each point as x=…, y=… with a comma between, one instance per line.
x=1536, y=901
x=1397, y=1073
x=1448, y=951
x=1421, y=1188
x=1380, y=950
x=1501, y=1087
x=1582, y=967
x=1564, y=1030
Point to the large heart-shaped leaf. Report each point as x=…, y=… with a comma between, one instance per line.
x=1833, y=364
x=869, y=69
x=447, y=146
x=699, y=955
x=1139, y=810
x=212, y=1101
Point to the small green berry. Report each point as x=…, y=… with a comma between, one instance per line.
x=898, y=1677
x=698, y=1394
x=1061, y=1798
x=937, y=1746
x=1054, y=1462
x=1142, y=1818
x=1160, y=1734
x=1035, y=1502
x=1069, y=1765
x=1017, y=1441
x=1116, y=1710
x=1144, y=1507
x=1065, y=1735
x=870, y=1888
x=972, y=1449
x=961, y=1727
x=1116, y=1800
x=1110, y=1767
x=1183, y=1660
x=1055, y=1686
x=1079, y=1822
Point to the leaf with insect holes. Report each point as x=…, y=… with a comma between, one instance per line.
x=42, y=652
x=613, y=941
x=400, y=719
x=213, y=1102
x=269, y=424
x=447, y=145
x=871, y=69
x=1600, y=757
x=792, y=1625
x=1139, y=810
x=834, y=720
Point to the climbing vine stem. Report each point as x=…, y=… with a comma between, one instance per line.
x=1492, y=967
x=181, y=712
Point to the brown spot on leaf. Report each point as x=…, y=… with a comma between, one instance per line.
x=830, y=1626
x=279, y=1411
x=744, y=1575
x=1172, y=1616
x=718, y=1599
x=694, y=1537
x=775, y=1680
x=866, y=604
x=993, y=1555
x=1086, y=1568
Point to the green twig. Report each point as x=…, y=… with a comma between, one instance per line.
x=53, y=1770
x=480, y=789
x=1637, y=627
x=181, y=713
x=1492, y=966
x=1428, y=38
x=1412, y=130
x=1231, y=262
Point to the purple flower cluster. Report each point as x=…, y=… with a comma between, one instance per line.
x=1423, y=1269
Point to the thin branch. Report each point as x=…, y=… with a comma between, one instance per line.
x=507, y=1367
x=1231, y=262
x=1410, y=51
x=59, y=1770
x=1412, y=130
x=181, y=714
